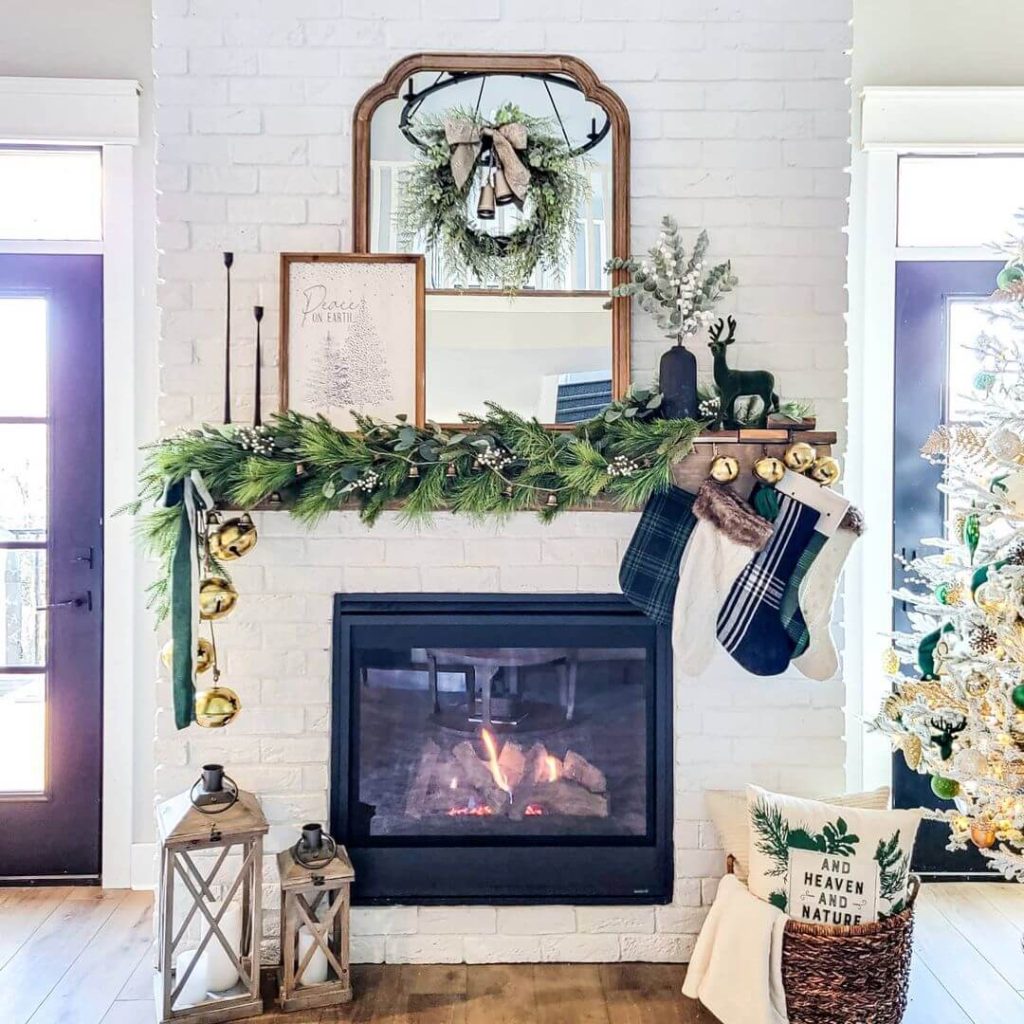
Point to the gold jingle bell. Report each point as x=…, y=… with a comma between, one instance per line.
x=216, y=597
x=769, y=469
x=799, y=457
x=216, y=707
x=204, y=654
x=230, y=540
x=825, y=471
x=724, y=469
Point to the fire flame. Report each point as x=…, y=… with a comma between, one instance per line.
x=552, y=768
x=500, y=778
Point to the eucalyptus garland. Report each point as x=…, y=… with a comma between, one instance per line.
x=498, y=464
x=434, y=204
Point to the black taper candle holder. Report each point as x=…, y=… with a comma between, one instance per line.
x=229, y=258
x=257, y=312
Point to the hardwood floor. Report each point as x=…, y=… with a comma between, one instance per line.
x=83, y=956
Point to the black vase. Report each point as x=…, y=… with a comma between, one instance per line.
x=677, y=378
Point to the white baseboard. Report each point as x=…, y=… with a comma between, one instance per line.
x=144, y=866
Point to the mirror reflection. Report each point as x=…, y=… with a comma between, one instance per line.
x=542, y=347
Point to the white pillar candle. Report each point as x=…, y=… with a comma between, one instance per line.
x=195, y=988
x=316, y=970
x=220, y=971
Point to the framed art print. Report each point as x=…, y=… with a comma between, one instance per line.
x=352, y=335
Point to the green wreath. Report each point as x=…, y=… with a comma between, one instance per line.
x=434, y=203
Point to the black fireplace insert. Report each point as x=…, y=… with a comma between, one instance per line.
x=502, y=748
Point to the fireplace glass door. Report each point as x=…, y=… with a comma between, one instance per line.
x=513, y=724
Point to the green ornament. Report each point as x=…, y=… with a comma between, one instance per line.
x=945, y=789
x=972, y=532
x=1009, y=276
x=984, y=380
x=949, y=593
x=1017, y=696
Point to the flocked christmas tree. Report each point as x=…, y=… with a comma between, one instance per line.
x=957, y=706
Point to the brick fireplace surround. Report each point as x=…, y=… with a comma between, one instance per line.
x=740, y=119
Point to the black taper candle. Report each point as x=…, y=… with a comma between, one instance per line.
x=257, y=312
x=229, y=258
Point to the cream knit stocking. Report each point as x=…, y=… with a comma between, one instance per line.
x=818, y=595
x=727, y=535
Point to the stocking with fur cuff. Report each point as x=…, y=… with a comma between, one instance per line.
x=727, y=535
x=819, y=659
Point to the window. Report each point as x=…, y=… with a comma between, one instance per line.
x=958, y=200
x=50, y=194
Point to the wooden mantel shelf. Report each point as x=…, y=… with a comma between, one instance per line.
x=746, y=446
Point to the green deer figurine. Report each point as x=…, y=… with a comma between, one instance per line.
x=736, y=384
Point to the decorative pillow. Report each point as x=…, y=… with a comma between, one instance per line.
x=728, y=809
x=829, y=864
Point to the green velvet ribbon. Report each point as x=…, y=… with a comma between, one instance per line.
x=190, y=497
x=926, y=651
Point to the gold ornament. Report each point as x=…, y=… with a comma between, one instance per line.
x=216, y=707
x=990, y=599
x=977, y=684
x=799, y=457
x=911, y=747
x=216, y=597
x=825, y=471
x=983, y=834
x=724, y=469
x=204, y=654
x=230, y=540
x=890, y=662
x=769, y=469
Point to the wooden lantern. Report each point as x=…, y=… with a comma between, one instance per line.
x=314, y=942
x=198, y=885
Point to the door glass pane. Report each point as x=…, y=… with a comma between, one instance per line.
x=22, y=591
x=22, y=356
x=22, y=481
x=50, y=193
x=22, y=734
x=958, y=200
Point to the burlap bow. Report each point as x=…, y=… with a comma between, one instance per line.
x=466, y=139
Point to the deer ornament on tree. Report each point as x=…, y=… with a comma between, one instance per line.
x=736, y=384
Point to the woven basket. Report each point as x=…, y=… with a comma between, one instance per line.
x=848, y=974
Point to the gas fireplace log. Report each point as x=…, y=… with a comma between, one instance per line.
x=416, y=799
x=477, y=775
x=512, y=761
x=561, y=797
x=580, y=770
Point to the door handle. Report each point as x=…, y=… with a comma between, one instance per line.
x=81, y=601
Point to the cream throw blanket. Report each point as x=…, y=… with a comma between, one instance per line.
x=736, y=968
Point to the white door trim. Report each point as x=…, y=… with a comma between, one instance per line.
x=102, y=113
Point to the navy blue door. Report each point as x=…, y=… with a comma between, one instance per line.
x=51, y=538
x=934, y=307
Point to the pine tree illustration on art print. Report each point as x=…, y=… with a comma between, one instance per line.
x=329, y=385
x=367, y=367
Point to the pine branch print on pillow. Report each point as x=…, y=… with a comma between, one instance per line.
x=827, y=864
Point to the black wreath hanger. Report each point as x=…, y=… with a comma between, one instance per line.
x=414, y=99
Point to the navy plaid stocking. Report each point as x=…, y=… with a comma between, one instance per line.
x=750, y=625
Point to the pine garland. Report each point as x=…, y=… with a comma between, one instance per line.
x=498, y=464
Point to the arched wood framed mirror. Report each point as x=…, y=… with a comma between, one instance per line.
x=547, y=348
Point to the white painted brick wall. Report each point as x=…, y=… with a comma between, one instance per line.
x=740, y=117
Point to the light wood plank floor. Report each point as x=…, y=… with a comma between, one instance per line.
x=84, y=956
